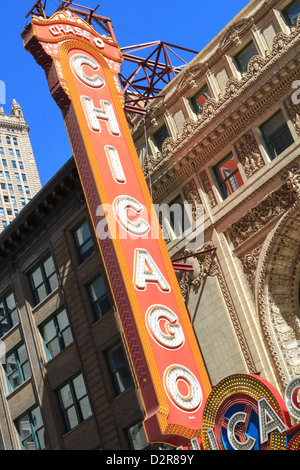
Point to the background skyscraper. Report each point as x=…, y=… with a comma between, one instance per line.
x=19, y=177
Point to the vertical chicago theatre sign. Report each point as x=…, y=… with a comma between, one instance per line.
x=82, y=71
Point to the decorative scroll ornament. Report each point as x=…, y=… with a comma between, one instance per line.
x=249, y=154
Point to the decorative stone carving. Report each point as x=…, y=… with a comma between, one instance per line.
x=234, y=33
x=249, y=261
x=190, y=77
x=268, y=209
x=192, y=197
x=293, y=111
x=278, y=298
x=207, y=188
x=206, y=264
x=234, y=88
x=249, y=154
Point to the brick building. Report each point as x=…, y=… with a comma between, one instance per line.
x=65, y=382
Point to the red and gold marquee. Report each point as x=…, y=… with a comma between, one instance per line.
x=82, y=70
x=243, y=411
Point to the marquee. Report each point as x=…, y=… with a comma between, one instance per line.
x=243, y=412
x=82, y=70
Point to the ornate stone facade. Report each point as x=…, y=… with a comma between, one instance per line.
x=238, y=294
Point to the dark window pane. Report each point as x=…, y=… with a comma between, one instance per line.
x=74, y=402
x=291, y=13
x=8, y=313
x=243, y=57
x=276, y=134
x=43, y=280
x=179, y=220
x=119, y=369
x=56, y=333
x=160, y=136
x=84, y=243
x=99, y=297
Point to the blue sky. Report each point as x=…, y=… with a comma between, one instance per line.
x=189, y=24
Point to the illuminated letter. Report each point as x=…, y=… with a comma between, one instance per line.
x=77, y=63
x=53, y=31
x=94, y=114
x=291, y=392
x=115, y=164
x=173, y=336
x=236, y=444
x=145, y=270
x=193, y=398
x=268, y=420
x=212, y=439
x=121, y=204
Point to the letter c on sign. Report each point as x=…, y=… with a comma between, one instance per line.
x=77, y=63
x=121, y=205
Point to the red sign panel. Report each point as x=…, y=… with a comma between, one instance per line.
x=82, y=70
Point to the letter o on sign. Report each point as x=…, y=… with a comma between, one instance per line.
x=182, y=387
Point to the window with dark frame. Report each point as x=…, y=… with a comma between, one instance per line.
x=8, y=313
x=160, y=136
x=99, y=297
x=56, y=333
x=74, y=402
x=83, y=241
x=243, y=57
x=276, y=134
x=43, y=279
x=31, y=430
x=118, y=368
x=17, y=367
x=228, y=176
x=200, y=99
x=291, y=13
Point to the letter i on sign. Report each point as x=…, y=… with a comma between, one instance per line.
x=82, y=72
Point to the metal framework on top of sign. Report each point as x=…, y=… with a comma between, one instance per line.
x=82, y=70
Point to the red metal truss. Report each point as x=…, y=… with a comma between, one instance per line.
x=143, y=76
x=150, y=74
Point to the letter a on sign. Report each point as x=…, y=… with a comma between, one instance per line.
x=82, y=70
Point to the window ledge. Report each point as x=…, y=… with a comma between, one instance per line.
x=77, y=426
x=46, y=299
x=50, y=361
x=18, y=388
x=121, y=395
